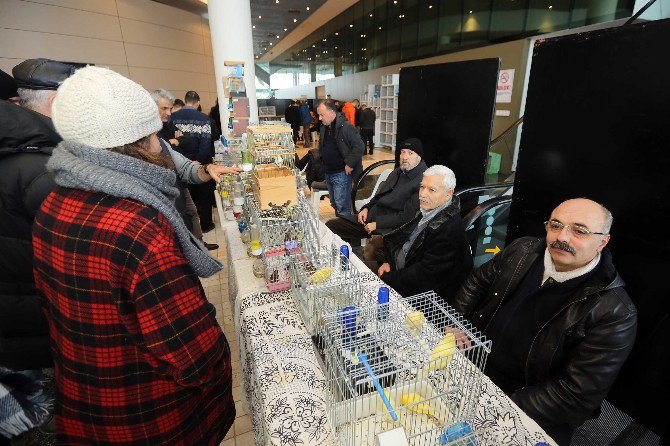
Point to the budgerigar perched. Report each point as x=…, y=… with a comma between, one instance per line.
x=443, y=352
x=415, y=321
x=321, y=275
x=415, y=402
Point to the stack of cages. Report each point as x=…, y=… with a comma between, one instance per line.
x=273, y=153
x=228, y=152
x=284, y=231
x=322, y=281
x=403, y=364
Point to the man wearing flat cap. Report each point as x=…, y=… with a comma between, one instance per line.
x=37, y=81
x=395, y=203
x=27, y=139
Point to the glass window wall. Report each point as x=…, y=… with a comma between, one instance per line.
x=377, y=33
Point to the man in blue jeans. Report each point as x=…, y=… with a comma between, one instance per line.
x=341, y=149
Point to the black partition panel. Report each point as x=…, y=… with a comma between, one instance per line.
x=597, y=125
x=450, y=107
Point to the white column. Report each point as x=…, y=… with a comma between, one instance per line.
x=230, y=26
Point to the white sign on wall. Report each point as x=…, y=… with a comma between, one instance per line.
x=505, y=84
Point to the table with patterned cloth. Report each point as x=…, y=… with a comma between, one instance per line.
x=283, y=377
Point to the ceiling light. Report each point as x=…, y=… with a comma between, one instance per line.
x=395, y=2
x=277, y=37
x=260, y=17
x=470, y=12
x=335, y=47
x=325, y=40
x=337, y=34
x=307, y=8
x=276, y=1
x=313, y=46
x=270, y=43
x=551, y=7
x=370, y=15
x=380, y=27
x=351, y=26
x=295, y=20
x=265, y=49
x=284, y=29
x=430, y=6
x=256, y=57
x=254, y=27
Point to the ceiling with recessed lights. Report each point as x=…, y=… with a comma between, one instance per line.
x=272, y=20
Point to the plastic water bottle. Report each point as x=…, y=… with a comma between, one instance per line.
x=344, y=257
x=383, y=303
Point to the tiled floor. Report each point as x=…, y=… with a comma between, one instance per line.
x=216, y=289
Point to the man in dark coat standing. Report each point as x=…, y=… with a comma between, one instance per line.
x=27, y=138
x=560, y=322
x=430, y=252
x=367, y=125
x=292, y=116
x=341, y=149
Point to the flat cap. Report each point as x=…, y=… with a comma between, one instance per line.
x=41, y=74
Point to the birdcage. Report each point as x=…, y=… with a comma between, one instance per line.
x=259, y=136
x=284, y=230
x=397, y=366
x=322, y=281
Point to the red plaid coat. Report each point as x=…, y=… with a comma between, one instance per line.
x=139, y=357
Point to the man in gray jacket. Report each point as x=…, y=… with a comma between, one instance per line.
x=341, y=149
x=395, y=203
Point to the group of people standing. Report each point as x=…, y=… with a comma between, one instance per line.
x=102, y=281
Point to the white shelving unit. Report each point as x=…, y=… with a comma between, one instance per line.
x=388, y=110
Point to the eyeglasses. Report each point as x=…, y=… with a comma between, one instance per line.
x=576, y=231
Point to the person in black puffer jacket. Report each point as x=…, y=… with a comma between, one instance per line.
x=27, y=139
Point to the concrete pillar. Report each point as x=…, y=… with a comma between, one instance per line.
x=230, y=26
x=312, y=71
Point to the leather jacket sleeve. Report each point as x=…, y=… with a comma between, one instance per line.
x=576, y=390
x=477, y=285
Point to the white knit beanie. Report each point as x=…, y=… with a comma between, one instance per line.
x=100, y=108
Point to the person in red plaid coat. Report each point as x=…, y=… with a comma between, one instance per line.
x=139, y=356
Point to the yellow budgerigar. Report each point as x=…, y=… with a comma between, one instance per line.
x=415, y=321
x=415, y=402
x=321, y=275
x=443, y=352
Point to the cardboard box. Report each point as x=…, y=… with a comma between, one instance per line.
x=275, y=185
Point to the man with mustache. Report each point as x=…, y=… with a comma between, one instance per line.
x=560, y=322
x=430, y=252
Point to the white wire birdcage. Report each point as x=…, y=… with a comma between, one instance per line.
x=322, y=281
x=284, y=230
x=397, y=365
x=259, y=136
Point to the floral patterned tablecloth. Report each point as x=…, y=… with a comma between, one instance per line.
x=285, y=384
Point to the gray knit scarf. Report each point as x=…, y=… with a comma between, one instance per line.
x=99, y=170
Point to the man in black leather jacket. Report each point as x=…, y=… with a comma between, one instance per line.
x=560, y=322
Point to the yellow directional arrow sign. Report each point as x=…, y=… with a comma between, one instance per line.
x=495, y=250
